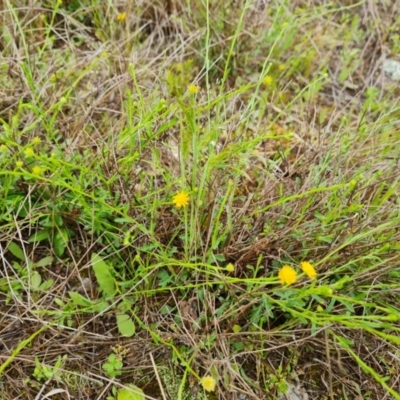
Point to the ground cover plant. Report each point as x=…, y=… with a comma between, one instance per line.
x=199, y=200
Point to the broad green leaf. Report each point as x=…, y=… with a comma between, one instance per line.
x=131, y=392
x=60, y=241
x=39, y=236
x=103, y=275
x=36, y=280
x=79, y=300
x=44, y=262
x=46, y=284
x=125, y=325
x=16, y=251
x=100, y=307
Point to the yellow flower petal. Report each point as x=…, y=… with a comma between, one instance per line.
x=230, y=267
x=181, y=199
x=29, y=152
x=308, y=269
x=121, y=17
x=36, y=170
x=209, y=383
x=287, y=275
x=193, y=89
x=268, y=80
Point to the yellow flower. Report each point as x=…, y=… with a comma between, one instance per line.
x=3, y=148
x=208, y=383
x=29, y=152
x=36, y=140
x=193, y=89
x=36, y=170
x=181, y=199
x=287, y=275
x=308, y=269
x=19, y=164
x=268, y=80
x=121, y=17
x=230, y=267
x=281, y=67
x=104, y=54
x=236, y=328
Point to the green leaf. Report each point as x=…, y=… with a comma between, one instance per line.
x=36, y=280
x=103, y=275
x=131, y=392
x=125, y=325
x=46, y=284
x=16, y=251
x=39, y=236
x=79, y=300
x=60, y=241
x=100, y=307
x=44, y=262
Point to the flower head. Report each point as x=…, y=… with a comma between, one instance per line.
x=208, y=383
x=281, y=67
x=268, y=80
x=3, y=148
x=230, y=267
x=308, y=269
x=193, y=89
x=236, y=328
x=36, y=140
x=29, y=152
x=36, y=170
x=181, y=199
x=287, y=275
x=121, y=17
x=19, y=164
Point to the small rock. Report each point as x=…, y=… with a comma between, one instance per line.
x=392, y=68
x=295, y=392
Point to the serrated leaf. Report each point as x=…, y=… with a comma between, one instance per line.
x=44, y=262
x=36, y=280
x=39, y=236
x=131, y=392
x=16, y=251
x=125, y=325
x=103, y=275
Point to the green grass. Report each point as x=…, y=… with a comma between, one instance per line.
x=288, y=152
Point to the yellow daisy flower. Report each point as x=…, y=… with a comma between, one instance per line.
x=36, y=170
x=208, y=383
x=268, y=80
x=36, y=140
x=308, y=269
x=193, y=89
x=236, y=328
x=287, y=275
x=29, y=152
x=121, y=17
x=181, y=199
x=230, y=267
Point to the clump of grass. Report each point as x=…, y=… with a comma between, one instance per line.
x=201, y=193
